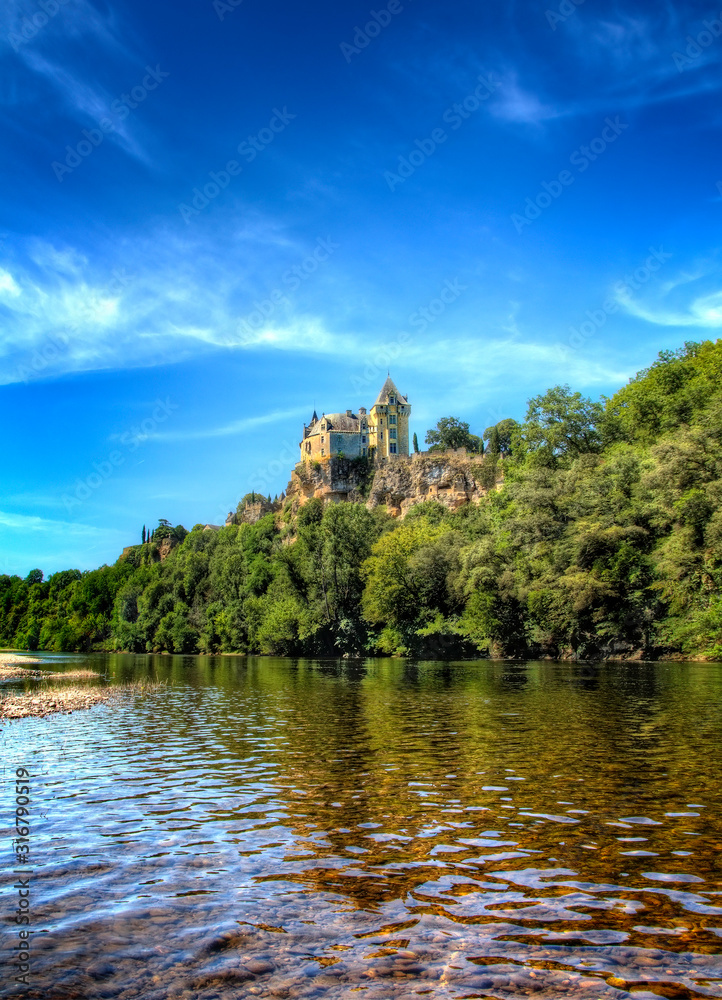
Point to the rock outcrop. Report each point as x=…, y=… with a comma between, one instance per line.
x=453, y=478
x=334, y=480
x=166, y=546
x=251, y=513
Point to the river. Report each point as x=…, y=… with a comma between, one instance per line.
x=375, y=829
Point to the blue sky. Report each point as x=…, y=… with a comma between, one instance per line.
x=216, y=216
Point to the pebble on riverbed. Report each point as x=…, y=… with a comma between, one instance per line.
x=11, y=669
x=49, y=701
x=41, y=703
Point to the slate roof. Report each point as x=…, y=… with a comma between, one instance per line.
x=389, y=389
x=336, y=422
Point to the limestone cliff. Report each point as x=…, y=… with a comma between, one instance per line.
x=149, y=551
x=166, y=546
x=452, y=478
x=336, y=479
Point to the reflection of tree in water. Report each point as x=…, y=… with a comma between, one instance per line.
x=368, y=762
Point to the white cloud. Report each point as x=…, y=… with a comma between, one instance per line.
x=30, y=522
x=704, y=312
x=691, y=298
x=8, y=285
x=228, y=430
x=47, y=51
x=513, y=103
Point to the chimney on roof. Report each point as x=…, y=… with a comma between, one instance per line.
x=362, y=410
x=349, y=413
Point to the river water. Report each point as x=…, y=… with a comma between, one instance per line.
x=374, y=829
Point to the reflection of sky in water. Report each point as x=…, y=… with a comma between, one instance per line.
x=293, y=829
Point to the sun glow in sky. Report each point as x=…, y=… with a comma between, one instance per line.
x=217, y=216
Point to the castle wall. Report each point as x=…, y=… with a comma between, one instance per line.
x=349, y=444
x=382, y=432
x=385, y=419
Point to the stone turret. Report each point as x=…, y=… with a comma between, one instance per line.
x=381, y=433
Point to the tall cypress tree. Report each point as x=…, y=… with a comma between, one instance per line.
x=143, y=534
x=416, y=443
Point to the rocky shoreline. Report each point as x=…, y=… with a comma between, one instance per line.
x=69, y=697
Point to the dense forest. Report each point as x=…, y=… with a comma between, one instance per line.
x=605, y=539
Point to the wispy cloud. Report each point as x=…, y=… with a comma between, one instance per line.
x=229, y=430
x=157, y=298
x=29, y=522
x=48, y=50
x=8, y=285
x=704, y=312
x=692, y=298
x=515, y=103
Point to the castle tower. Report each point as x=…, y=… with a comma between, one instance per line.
x=377, y=434
x=388, y=423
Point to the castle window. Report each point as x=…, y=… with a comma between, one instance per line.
x=363, y=440
x=322, y=453
x=392, y=400
x=392, y=418
x=322, y=439
x=392, y=433
x=392, y=449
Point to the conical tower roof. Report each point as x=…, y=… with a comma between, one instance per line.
x=389, y=389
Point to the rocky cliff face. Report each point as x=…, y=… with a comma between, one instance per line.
x=338, y=479
x=253, y=512
x=451, y=478
x=166, y=547
x=161, y=550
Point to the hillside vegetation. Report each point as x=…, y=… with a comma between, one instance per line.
x=606, y=539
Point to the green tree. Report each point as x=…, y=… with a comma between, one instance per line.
x=494, y=442
x=416, y=443
x=501, y=436
x=451, y=433
x=562, y=424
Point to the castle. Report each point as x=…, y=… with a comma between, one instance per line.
x=381, y=432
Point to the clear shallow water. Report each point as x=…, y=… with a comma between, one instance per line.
x=286, y=828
